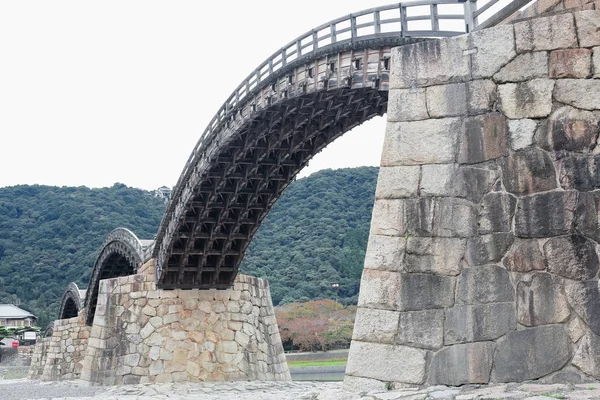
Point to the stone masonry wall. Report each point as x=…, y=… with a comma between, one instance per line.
x=141, y=334
x=60, y=356
x=482, y=263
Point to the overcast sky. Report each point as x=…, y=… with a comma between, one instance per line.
x=98, y=92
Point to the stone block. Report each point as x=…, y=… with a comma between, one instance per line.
x=386, y=362
x=572, y=257
x=440, y=256
x=372, y=325
x=531, y=99
x=481, y=96
x=385, y=252
x=424, y=329
x=397, y=182
x=545, y=214
x=423, y=291
x=588, y=28
x=531, y=353
x=526, y=257
x=528, y=171
x=444, y=217
x=476, y=323
x=576, y=329
x=484, y=138
x=541, y=301
x=524, y=67
x=484, y=284
x=579, y=93
x=571, y=63
x=569, y=129
x=462, y=364
x=496, y=213
x=596, y=62
x=495, y=47
x=388, y=218
x=584, y=299
x=579, y=172
x=488, y=248
x=521, y=133
x=430, y=63
x=431, y=141
x=407, y=105
x=380, y=289
x=447, y=100
x=588, y=209
x=452, y=180
x=555, y=32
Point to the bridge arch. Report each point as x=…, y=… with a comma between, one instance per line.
x=122, y=253
x=294, y=104
x=72, y=301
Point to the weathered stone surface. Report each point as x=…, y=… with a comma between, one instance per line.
x=584, y=298
x=380, y=289
x=495, y=47
x=385, y=252
x=447, y=100
x=481, y=96
x=588, y=209
x=579, y=93
x=388, y=218
x=430, y=63
x=371, y=325
x=424, y=329
x=531, y=99
x=571, y=63
x=579, y=172
x=524, y=67
x=572, y=257
x=531, y=353
x=484, y=138
x=569, y=129
x=456, y=181
x=397, y=182
x=407, y=105
x=487, y=248
x=576, y=329
x=545, y=214
x=484, y=284
x=596, y=61
x=386, y=362
x=542, y=301
x=461, y=364
x=526, y=257
x=474, y=323
x=528, y=171
x=434, y=255
x=424, y=291
x=521, y=133
x=555, y=32
x=444, y=217
x=586, y=355
x=588, y=28
x=420, y=142
x=496, y=214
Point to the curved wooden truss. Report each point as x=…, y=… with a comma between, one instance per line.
x=72, y=301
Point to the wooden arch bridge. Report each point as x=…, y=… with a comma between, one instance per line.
x=303, y=97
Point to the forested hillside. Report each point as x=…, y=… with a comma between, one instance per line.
x=315, y=236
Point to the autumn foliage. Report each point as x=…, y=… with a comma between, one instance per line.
x=315, y=325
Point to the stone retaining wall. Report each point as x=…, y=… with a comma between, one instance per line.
x=141, y=334
x=60, y=356
x=482, y=263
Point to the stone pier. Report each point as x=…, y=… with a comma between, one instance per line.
x=482, y=262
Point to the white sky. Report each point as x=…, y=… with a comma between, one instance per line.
x=98, y=92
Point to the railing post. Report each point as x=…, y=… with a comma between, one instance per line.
x=353, y=32
x=435, y=22
x=403, y=23
x=377, y=22
x=315, y=39
x=333, y=33
x=470, y=6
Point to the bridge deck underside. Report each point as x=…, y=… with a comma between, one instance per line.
x=246, y=176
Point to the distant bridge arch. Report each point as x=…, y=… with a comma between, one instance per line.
x=294, y=104
x=122, y=253
x=72, y=302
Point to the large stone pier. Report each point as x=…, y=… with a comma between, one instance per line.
x=482, y=263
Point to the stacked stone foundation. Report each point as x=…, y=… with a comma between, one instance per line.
x=482, y=263
x=60, y=356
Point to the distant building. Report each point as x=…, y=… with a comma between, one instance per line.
x=164, y=193
x=14, y=316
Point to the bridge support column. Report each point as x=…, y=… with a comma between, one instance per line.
x=141, y=334
x=482, y=262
